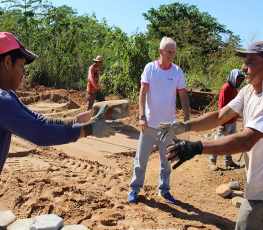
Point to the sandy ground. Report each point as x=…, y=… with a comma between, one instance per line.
x=88, y=182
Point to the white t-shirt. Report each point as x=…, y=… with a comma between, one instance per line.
x=250, y=105
x=161, y=97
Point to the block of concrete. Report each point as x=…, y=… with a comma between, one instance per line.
x=223, y=190
x=116, y=109
x=237, y=201
x=6, y=218
x=21, y=224
x=75, y=227
x=237, y=193
x=47, y=222
x=234, y=185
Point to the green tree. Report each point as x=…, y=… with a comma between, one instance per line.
x=188, y=26
x=204, y=46
x=28, y=9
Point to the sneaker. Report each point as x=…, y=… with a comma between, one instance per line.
x=213, y=166
x=168, y=197
x=132, y=197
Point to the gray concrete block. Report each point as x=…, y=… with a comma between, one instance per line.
x=237, y=201
x=47, y=222
x=237, y=193
x=22, y=224
x=223, y=190
x=234, y=185
x=75, y=227
x=116, y=109
x=6, y=218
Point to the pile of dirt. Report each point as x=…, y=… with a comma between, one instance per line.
x=43, y=180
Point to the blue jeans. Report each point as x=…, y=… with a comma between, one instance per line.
x=230, y=129
x=250, y=215
x=145, y=146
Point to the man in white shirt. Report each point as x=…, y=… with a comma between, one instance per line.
x=249, y=104
x=160, y=82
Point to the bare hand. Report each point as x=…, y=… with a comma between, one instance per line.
x=84, y=117
x=172, y=154
x=143, y=125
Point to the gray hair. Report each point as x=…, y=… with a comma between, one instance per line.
x=165, y=41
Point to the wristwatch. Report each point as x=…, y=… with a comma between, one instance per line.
x=141, y=117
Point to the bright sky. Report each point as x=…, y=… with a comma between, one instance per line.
x=243, y=17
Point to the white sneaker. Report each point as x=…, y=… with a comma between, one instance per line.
x=213, y=166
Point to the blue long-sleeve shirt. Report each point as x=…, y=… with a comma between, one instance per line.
x=16, y=118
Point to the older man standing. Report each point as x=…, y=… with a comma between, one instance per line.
x=248, y=102
x=160, y=82
x=93, y=88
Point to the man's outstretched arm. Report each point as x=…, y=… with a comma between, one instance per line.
x=185, y=103
x=204, y=122
x=212, y=119
x=231, y=144
x=236, y=143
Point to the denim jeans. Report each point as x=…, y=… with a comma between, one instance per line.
x=230, y=129
x=250, y=216
x=145, y=146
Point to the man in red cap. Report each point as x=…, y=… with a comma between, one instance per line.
x=249, y=104
x=16, y=118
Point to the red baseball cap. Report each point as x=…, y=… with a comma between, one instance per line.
x=9, y=42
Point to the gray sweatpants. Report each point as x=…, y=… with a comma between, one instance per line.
x=250, y=216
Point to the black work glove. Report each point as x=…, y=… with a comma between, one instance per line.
x=185, y=150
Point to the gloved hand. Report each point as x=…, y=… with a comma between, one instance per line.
x=172, y=128
x=184, y=150
x=97, y=127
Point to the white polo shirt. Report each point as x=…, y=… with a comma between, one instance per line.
x=161, y=97
x=250, y=105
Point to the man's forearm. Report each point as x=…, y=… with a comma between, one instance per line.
x=205, y=122
x=185, y=106
x=234, y=143
x=212, y=119
x=52, y=120
x=142, y=100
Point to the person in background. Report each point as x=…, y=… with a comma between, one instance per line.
x=249, y=103
x=16, y=118
x=227, y=93
x=93, y=88
x=160, y=82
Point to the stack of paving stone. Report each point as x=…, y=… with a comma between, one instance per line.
x=232, y=188
x=8, y=221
